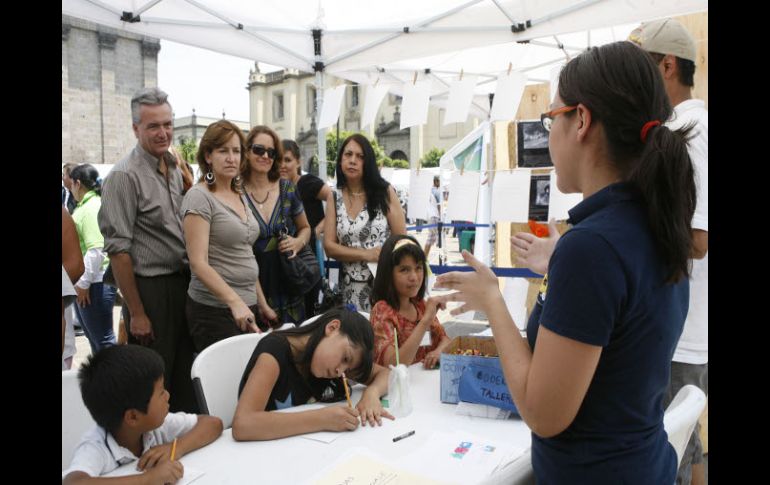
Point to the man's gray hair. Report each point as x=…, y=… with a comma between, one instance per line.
x=148, y=96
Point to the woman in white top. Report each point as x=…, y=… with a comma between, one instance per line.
x=361, y=213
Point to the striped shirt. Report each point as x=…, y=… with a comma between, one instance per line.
x=141, y=214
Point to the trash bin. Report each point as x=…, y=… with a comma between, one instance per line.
x=467, y=238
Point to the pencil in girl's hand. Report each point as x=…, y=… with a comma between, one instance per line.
x=173, y=450
x=347, y=391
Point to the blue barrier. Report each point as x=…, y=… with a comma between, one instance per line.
x=442, y=268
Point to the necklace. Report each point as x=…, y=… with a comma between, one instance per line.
x=355, y=193
x=260, y=203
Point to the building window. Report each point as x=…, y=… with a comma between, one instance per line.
x=354, y=96
x=311, y=99
x=278, y=106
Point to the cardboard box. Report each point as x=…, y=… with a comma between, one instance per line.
x=452, y=365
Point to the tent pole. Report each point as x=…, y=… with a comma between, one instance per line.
x=319, y=67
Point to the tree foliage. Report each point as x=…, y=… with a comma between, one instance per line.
x=432, y=157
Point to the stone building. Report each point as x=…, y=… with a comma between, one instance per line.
x=101, y=69
x=193, y=126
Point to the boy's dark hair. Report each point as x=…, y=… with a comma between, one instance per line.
x=353, y=325
x=383, y=283
x=116, y=379
x=622, y=87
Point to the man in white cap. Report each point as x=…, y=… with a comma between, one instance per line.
x=673, y=49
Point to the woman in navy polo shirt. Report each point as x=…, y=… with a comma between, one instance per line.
x=590, y=376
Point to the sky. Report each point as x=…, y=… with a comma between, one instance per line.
x=205, y=80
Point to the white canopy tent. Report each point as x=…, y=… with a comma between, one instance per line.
x=375, y=41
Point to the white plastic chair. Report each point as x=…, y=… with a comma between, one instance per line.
x=75, y=418
x=681, y=416
x=216, y=374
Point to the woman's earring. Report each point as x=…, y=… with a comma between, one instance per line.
x=210, y=178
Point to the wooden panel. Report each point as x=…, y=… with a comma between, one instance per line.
x=698, y=26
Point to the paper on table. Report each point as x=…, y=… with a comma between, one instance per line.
x=420, y=183
x=510, y=196
x=560, y=202
x=463, y=195
x=322, y=436
x=360, y=467
x=190, y=474
x=459, y=457
x=481, y=410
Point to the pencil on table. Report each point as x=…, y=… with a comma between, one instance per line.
x=347, y=391
x=173, y=450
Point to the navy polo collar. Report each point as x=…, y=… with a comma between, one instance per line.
x=610, y=194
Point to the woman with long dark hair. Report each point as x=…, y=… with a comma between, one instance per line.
x=295, y=366
x=590, y=376
x=361, y=214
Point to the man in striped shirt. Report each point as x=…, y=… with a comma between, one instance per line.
x=142, y=226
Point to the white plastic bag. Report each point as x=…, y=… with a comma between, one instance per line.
x=399, y=396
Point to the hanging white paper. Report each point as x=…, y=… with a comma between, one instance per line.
x=372, y=102
x=330, y=109
x=463, y=196
x=419, y=194
x=414, y=108
x=560, y=202
x=554, y=77
x=510, y=196
x=508, y=95
x=460, y=98
x=515, y=296
x=387, y=173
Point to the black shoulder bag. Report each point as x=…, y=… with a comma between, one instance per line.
x=302, y=272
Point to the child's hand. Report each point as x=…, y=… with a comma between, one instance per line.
x=166, y=472
x=432, y=306
x=431, y=359
x=154, y=455
x=371, y=409
x=340, y=418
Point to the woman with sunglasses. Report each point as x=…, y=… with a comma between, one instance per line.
x=360, y=215
x=590, y=377
x=224, y=297
x=270, y=199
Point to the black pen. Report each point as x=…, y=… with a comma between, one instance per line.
x=405, y=435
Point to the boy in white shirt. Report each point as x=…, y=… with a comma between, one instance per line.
x=122, y=387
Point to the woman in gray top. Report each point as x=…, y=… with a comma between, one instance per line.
x=224, y=296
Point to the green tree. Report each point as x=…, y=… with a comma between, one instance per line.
x=432, y=157
x=188, y=149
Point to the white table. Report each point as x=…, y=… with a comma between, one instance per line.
x=294, y=459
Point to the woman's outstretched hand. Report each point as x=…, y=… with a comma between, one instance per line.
x=475, y=288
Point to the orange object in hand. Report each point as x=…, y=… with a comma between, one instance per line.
x=539, y=230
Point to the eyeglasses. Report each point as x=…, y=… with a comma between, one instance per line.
x=260, y=150
x=547, y=118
